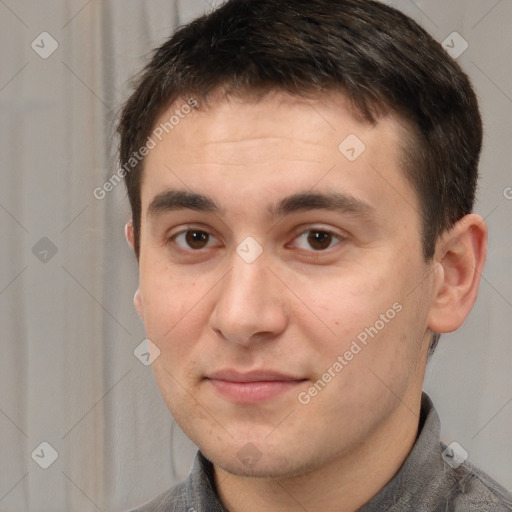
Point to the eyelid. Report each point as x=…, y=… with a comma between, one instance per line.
x=318, y=227
x=190, y=227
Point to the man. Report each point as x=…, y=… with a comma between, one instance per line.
x=302, y=177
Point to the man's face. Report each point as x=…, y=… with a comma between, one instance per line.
x=290, y=330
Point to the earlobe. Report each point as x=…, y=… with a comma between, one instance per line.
x=460, y=257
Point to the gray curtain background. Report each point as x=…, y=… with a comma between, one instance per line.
x=73, y=396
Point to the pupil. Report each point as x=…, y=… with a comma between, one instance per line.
x=318, y=239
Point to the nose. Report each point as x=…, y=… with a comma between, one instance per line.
x=250, y=303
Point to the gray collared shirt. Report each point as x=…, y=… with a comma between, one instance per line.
x=430, y=480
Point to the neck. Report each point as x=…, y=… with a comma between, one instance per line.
x=344, y=484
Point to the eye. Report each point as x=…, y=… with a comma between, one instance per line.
x=318, y=239
x=195, y=239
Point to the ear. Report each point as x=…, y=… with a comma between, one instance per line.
x=460, y=258
x=128, y=233
x=137, y=299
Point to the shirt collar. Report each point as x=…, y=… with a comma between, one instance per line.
x=407, y=490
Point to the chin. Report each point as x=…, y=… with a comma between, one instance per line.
x=249, y=463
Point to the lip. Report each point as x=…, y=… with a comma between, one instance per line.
x=252, y=376
x=254, y=386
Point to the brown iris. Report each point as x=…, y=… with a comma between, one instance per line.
x=319, y=239
x=197, y=239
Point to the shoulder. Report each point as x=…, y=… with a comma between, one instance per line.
x=196, y=493
x=472, y=490
x=172, y=500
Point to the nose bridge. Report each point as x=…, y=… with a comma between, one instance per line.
x=248, y=300
x=249, y=277
x=248, y=285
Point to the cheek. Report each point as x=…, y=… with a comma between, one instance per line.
x=171, y=303
x=347, y=308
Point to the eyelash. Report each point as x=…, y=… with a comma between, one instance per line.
x=340, y=238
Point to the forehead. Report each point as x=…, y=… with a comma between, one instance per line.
x=306, y=122
x=273, y=146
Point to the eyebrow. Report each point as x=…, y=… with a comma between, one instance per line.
x=172, y=200
x=304, y=201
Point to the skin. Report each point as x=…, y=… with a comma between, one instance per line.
x=299, y=305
